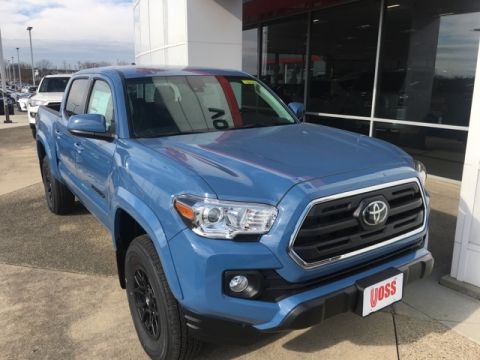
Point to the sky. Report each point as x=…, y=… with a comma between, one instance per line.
x=68, y=30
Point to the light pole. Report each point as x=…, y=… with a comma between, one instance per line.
x=29, y=29
x=18, y=66
x=9, y=72
x=13, y=72
x=4, y=82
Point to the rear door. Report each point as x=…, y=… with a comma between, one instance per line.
x=95, y=160
x=67, y=144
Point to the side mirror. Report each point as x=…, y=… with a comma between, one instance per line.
x=89, y=125
x=298, y=109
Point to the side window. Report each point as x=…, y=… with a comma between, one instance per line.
x=101, y=102
x=76, y=97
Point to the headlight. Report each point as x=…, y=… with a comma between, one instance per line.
x=33, y=102
x=421, y=171
x=218, y=219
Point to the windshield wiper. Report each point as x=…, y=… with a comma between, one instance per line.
x=173, y=133
x=251, y=126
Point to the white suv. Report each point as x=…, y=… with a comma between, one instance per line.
x=49, y=92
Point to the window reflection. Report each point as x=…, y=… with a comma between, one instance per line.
x=343, y=48
x=429, y=54
x=442, y=151
x=358, y=126
x=250, y=51
x=283, y=58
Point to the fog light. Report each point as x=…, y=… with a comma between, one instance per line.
x=238, y=283
x=246, y=284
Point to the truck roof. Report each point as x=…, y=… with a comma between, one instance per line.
x=58, y=75
x=147, y=71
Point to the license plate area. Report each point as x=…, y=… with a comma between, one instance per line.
x=379, y=291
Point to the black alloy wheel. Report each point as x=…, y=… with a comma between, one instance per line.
x=157, y=316
x=146, y=303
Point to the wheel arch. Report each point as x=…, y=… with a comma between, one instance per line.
x=40, y=154
x=44, y=150
x=133, y=218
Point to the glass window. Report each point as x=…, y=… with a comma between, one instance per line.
x=101, y=102
x=442, y=151
x=358, y=126
x=343, y=50
x=76, y=97
x=53, y=84
x=283, y=58
x=174, y=105
x=428, y=58
x=250, y=51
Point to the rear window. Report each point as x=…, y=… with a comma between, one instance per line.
x=54, y=84
x=76, y=97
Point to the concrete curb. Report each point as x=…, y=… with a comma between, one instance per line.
x=460, y=286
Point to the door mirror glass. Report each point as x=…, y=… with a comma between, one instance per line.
x=298, y=109
x=88, y=125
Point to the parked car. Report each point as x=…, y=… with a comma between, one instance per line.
x=22, y=101
x=14, y=95
x=29, y=89
x=230, y=217
x=49, y=92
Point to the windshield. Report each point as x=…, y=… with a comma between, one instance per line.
x=54, y=84
x=174, y=105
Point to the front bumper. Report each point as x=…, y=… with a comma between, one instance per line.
x=32, y=112
x=303, y=315
x=22, y=106
x=200, y=265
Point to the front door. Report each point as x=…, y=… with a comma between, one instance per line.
x=95, y=158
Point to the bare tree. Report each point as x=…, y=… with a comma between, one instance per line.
x=92, y=64
x=44, y=64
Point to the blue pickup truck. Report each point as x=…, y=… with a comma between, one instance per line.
x=230, y=216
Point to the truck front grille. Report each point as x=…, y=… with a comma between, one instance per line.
x=334, y=227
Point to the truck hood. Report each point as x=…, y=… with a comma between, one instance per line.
x=262, y=164
x=48, y=96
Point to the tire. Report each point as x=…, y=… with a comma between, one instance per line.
x=34, y=131
x=60, y=200
x=156, y=314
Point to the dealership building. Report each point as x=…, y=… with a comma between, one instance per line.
x=400, y=70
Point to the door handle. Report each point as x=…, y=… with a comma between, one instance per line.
x=78, y=146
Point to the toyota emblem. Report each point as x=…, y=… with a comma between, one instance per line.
x=375, y=213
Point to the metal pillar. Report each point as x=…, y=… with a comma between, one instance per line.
x=4, y=82
x=18, y=66
x=31, y=53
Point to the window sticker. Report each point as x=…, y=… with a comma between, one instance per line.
x=249, y=82
x=99, y=102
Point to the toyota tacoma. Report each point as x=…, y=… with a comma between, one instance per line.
x=230, y=216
